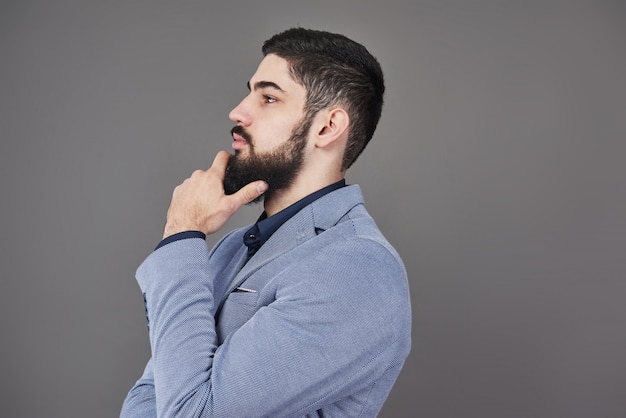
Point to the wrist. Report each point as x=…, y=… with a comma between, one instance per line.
x=173, y=229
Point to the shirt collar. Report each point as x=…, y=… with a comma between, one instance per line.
x=265, y=226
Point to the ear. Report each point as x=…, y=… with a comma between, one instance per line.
x=331, y=125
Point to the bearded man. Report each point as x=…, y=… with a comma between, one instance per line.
x=307, y=311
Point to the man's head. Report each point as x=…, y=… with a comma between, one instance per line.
x=334, y=70
x=307, y=79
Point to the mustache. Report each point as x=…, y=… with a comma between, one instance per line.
x=240, y=130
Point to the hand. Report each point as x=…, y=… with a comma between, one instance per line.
x=200, y=204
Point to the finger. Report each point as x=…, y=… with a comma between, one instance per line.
x=249, y=192
x=220, y=162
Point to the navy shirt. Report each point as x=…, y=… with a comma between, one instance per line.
x=265, y=226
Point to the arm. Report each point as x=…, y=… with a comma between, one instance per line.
x=198, y=204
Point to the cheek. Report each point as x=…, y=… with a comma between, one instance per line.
x=271, y=137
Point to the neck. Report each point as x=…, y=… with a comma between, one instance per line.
x=280, y=199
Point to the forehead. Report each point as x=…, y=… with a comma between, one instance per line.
x=275, y=69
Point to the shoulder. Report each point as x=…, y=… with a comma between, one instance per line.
x=351, y=259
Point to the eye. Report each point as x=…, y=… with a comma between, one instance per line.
x=269, y=99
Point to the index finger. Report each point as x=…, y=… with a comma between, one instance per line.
x=220, y=162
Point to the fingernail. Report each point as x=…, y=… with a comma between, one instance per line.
x=261, y=187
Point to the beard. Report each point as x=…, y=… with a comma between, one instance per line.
x=278, y=168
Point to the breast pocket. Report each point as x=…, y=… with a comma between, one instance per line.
x=238, y=308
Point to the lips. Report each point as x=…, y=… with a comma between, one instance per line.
x=238, y=142
x=240, y=137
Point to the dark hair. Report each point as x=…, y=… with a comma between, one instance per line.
x=334, y=70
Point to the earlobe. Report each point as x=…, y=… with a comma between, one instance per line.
x=334, y=125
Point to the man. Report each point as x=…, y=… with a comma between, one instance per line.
x=306, y=312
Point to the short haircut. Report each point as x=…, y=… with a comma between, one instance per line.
x=334, y=70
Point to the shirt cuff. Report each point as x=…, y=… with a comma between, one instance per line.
x=179, y=236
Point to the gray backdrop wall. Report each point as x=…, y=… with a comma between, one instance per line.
x=497, y=171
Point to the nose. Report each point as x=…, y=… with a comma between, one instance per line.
x=241, y=114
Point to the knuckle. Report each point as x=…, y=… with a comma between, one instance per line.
x=231, y=207
x=212, y=171
x=250, y=193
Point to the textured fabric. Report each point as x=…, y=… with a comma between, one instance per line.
x=316, y=323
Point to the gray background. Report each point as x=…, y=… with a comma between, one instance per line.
x=497, y=171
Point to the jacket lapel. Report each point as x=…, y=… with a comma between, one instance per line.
x=304, y=225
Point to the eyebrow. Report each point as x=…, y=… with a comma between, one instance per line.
x=265, y=84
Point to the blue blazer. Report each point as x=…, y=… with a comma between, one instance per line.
x=316, y=323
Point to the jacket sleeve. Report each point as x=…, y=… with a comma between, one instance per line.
x=324, y=335
x=140, y=401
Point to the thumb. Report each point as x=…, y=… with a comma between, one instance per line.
x=250, y=192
